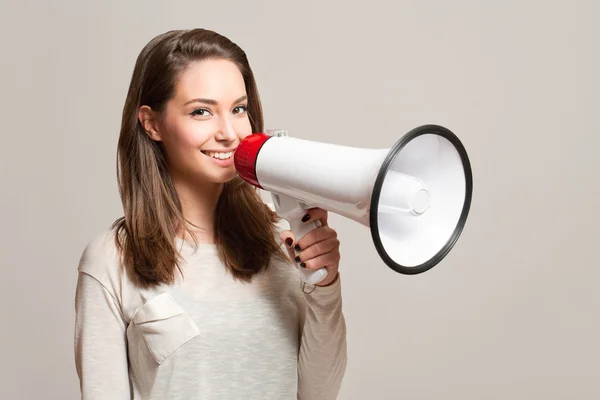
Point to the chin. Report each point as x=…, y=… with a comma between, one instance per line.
x=224, y=176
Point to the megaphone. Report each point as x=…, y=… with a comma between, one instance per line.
x=415, y=196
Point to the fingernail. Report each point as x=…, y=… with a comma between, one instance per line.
x=305, y=218
x=297, y=248
x=289, y=242
x=303, y=265
x=297, y=259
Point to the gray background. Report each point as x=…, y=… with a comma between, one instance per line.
x=511, y=313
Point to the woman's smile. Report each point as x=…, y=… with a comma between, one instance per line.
x=220, y=158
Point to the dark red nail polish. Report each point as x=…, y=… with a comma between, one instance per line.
x=303, y=265
x=297, y=248
x=297, y=259
x=305, y=218
x=289, y=242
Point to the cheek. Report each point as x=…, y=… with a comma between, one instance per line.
x=243, y=128
x=187, y=135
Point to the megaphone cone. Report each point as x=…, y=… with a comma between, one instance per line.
x=414, y=196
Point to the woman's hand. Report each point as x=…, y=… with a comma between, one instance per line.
x=317, y=249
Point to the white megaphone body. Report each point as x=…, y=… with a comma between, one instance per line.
x=415, y=196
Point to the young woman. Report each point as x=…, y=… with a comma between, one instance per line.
x=190, y=294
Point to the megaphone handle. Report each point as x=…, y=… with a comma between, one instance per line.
x=300, y=229
x=292, y=210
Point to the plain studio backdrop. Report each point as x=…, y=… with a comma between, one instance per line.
x=513, y=312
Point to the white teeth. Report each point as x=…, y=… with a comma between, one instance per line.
x=219, y=156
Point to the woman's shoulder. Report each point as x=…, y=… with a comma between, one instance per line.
x=100, y=257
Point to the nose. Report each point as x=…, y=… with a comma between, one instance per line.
x=226, y=131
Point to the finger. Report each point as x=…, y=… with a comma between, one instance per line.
x=316, y=235
x=326, y=246
x=316, y=214
x=328, y=261
x=287, y=238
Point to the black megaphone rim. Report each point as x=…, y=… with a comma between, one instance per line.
x=373, y=217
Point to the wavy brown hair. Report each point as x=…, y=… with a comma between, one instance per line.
x=146, y=235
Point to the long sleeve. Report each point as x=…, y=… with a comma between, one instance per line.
x=323, y=349
x=100, y=342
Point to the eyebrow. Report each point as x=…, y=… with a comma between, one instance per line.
x=212, y=102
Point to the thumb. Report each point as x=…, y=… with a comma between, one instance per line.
x=287, y=237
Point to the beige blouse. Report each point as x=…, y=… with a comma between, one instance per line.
x=206, y=336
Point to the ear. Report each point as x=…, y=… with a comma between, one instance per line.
x=149, y=121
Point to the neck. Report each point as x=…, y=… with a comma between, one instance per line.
x=198, y=203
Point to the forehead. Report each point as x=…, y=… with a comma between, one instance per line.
x=219, y=79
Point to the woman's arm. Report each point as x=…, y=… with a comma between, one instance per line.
x=322, y=359
x=100, y=342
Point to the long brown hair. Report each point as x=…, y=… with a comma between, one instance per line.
x=146, y=235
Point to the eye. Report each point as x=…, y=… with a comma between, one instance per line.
x=203, y=112
x=240, y=109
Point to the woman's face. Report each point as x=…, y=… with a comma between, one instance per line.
x=205, y=121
